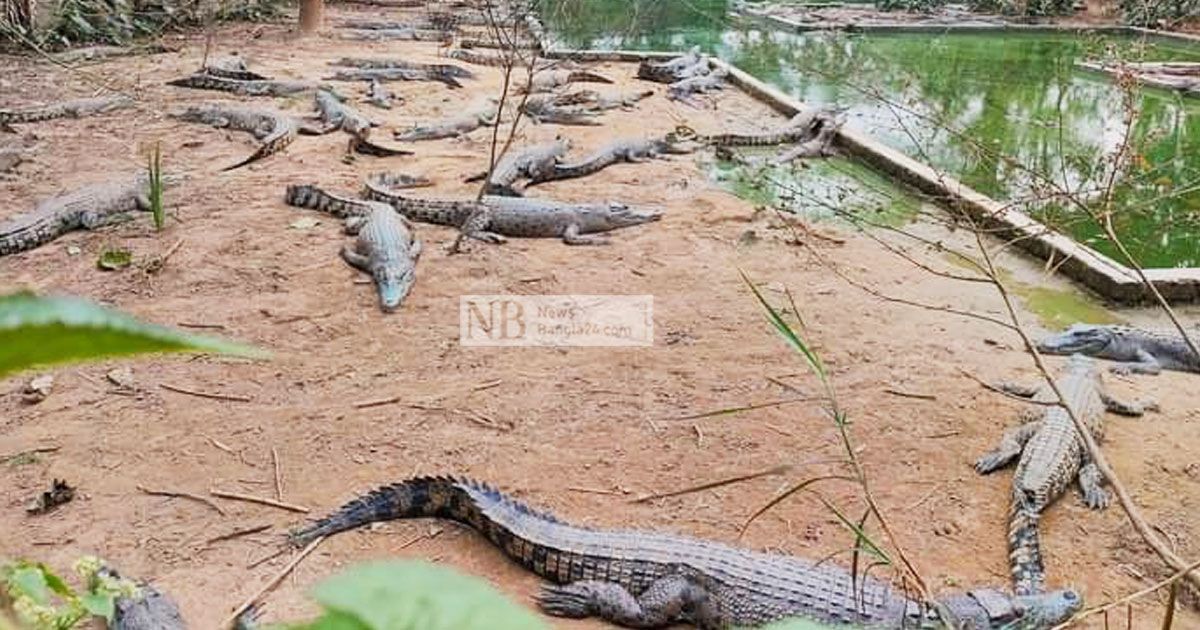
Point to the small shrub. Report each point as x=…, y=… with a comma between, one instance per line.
x=1158, y=13
x=156, y=186
x=42, y=600
x=918, y=6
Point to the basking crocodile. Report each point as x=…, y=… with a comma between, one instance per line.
x=800, y=128
x=682, y=89
x=642, y=579
x=544, y=111
x=85, y=208
x=395, y=74
x=379, y=96
x=819, y=145
x=147, y=608
x=620, y=101
x=496, y=217
x=338, y=115
x=1052, y=455
x=449, y=70
x=232, y=68
x=548, y=80
x=458, y=126
x=632, y=150
x=77, y=108
x=396, y=34
x=668, y=71
x=532, y=162
x=276, y=130
x=1140, y=351
x=385, y=246
x=203, y=81
x=498, y=61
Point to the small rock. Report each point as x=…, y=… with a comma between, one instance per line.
x=307, y=223
x=60, y=493
x=73, y=250
x=749, y=237
x=38, y=389
x=121, y=377
x=947, y=529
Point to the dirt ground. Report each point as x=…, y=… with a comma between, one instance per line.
x=582, y=430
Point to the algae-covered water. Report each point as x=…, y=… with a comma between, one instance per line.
x=1009, y=114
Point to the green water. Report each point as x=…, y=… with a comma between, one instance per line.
x=1008, y=114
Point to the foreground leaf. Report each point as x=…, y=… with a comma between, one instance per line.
x=44, y=330
x=411, y=595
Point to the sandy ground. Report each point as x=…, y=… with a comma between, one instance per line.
x=585, y=429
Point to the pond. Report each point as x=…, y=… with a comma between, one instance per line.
x=1008, y=114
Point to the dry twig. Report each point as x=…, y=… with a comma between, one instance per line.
x=191, y=392
x=183, y=495
x=235, y=496
x=270, y=586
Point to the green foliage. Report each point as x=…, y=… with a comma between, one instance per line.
x=45, y=330
x=114, y=258
x=1158, y=13
x=412, y=595
x=42, y=600
x=156, y=186
x=251, y=10
x=802, y=624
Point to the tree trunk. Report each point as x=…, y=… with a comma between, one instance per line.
x=312, y=15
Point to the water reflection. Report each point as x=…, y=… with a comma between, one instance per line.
x=1008, y=114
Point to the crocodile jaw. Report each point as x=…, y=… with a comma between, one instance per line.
x=1080, y=338
x=620, y=215
x=393, y=286
x=1046, y=609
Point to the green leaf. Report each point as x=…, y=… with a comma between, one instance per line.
x=44, y=330
x=31, y=582
x=56, y=583
x=786, y=331
x=114, y=259
x=99, y=604
x=411, y=595
x=333, y=621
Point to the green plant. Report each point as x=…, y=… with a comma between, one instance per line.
x=45, y=330
x=156, y=186
x=920, y=6
x=414, y=595
x=42, y=600
x=114, y=258
x=1158, y=13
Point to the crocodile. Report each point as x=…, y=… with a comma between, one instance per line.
x=681, y=90
x=666, y=71
x=548, y=80
x=396, y=34
x=800, y=128
x=499, y=61
x=446, y=69
x=338, y=115
x=1139, y=351
x=77, y=108
x=543, y=110
x=644, y=579
x=203, y=81
x=385, y=246
x=493, y=218
x=487, y=40
x=1052, y=455
x=531, y=162
x=232, y=68
x=456, y=127
x=620, y=101
x=819, y=145
x=276, y=130
x=395, y=74
x=631, y=150
x=85, y=208
x=379, y=96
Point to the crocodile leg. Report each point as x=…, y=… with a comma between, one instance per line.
x=352, y=225
x=92, y=220
x=414, y=250
x=476, y=227
x=1017, y=389
x=667, y=601
x=1009, y=448
x=572, y=237
x=355, y=259
x=1146, y=364
x=1132, y=409
x=1090, y=480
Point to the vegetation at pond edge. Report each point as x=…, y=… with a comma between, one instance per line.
x=1041, y=124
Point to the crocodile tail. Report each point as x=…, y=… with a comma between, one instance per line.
x=469, y=502
x=1024, y=548
x=279, y=140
